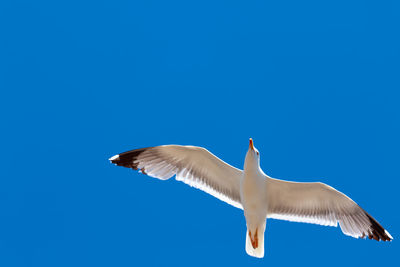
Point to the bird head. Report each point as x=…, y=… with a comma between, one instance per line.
x=252, y=156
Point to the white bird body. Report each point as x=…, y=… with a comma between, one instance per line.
x=260, y=196
x=255, y=212
x=254, y=200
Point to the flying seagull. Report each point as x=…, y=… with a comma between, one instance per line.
x=260, y=196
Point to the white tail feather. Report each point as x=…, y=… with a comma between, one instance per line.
x=259, y=251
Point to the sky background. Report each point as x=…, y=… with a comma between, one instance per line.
x=314, y=83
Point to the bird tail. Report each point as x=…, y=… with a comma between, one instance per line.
x=255, y=242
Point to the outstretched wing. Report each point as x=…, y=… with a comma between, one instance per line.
x=192, y=165
x=321, y=204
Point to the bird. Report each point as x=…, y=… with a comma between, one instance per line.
x=260, y=196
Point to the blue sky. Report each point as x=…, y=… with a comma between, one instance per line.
x=315, y=83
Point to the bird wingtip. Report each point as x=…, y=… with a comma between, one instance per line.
x=114, y=158
x=390, y=237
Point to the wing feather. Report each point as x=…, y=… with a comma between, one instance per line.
x=319, y=203
x=192, y=165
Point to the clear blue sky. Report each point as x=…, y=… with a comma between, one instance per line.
x=315, y=83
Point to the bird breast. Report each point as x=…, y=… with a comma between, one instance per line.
x=253, y=193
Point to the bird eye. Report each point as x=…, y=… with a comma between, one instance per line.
x=257, y=153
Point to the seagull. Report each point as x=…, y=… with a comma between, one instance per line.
x=260, y=196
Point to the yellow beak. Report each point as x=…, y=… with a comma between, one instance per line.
x=251, y=145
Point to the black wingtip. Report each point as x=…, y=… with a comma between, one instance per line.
x=128, y=158
x=114, y=159
x=376, y=231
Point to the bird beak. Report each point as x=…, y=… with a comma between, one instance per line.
x=251, y=144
